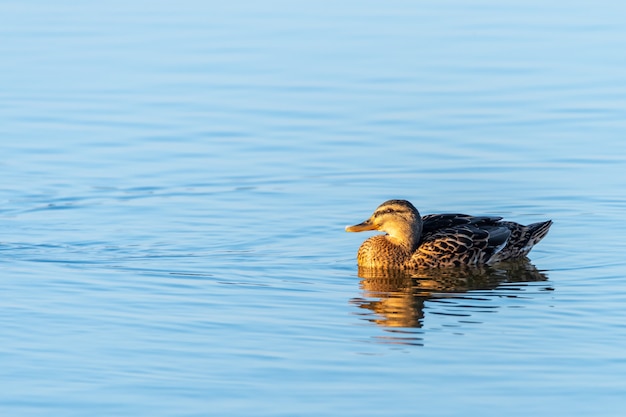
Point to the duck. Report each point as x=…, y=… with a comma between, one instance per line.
x=413, y=242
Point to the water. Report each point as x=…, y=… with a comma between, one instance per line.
x=176, y=179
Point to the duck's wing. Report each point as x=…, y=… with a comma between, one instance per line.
x=435, y=222
x=461, y=245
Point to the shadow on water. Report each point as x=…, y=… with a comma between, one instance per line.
x=397, y=299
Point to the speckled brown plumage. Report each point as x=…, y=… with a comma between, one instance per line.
x=441, y=240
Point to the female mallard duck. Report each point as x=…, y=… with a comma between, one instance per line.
x=441, y=240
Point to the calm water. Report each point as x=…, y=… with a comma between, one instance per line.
x=177, y=176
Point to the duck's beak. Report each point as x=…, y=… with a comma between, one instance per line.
x=361, y=227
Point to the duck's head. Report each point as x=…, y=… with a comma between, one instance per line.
x=398, y=218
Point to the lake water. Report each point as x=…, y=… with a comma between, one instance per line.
x=176, y=178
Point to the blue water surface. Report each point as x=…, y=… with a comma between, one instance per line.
x=177, y=177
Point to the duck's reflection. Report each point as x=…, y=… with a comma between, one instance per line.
x=397, y=298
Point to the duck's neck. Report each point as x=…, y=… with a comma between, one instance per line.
x=406, y=235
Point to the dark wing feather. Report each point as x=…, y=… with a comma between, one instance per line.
x=498, y=236
x=434, y=222
x=472, y=243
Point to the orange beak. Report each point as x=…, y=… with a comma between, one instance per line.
x=361, y=227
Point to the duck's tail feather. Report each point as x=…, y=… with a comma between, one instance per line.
x=535, y=233
x=521, y=241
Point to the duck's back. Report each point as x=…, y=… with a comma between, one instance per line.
x=435, y=222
